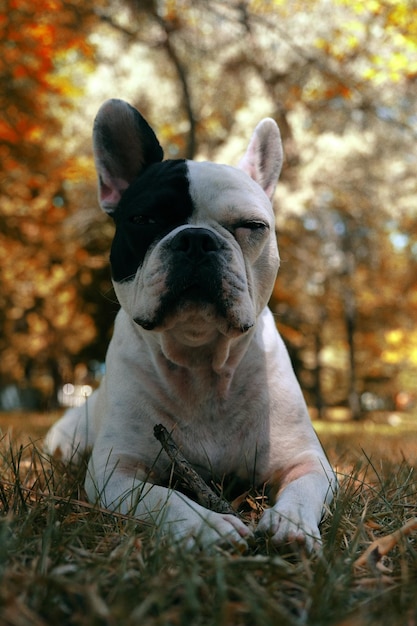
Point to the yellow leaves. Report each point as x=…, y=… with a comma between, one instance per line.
x=268, y=6
x=79, y=168
x=363, y=6
x=401, y=346
x=49, y=281
x=397, y=66
x=382, y=33
x=64, y=85
x=37, y=324
x=345, y=40
x=82, y=332
x=395, y=337
x=402, y=16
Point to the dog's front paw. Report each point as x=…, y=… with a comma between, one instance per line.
x=212, y=529
x=290, y=527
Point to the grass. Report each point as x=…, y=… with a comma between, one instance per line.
x=63, y=561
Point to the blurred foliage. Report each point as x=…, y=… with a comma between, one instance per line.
x=44, y=318
x=340, y=79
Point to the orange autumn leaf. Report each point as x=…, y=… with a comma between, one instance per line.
x=383, y=545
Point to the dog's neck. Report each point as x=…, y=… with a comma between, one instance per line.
x=212, y=363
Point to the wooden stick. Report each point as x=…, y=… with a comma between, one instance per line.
x=191, y=479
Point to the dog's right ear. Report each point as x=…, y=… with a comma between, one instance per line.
x=124, y=144
x=264, y=156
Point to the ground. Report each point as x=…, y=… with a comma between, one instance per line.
x=63, y=561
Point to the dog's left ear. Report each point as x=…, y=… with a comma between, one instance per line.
x=124, y=144
x=264, y=156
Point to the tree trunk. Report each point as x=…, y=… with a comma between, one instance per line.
x=317, y=375
x=350, y=321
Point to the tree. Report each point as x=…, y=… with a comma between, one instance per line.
x=43, y=320
x=341, y=84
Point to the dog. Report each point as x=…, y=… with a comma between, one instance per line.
x=195, y=347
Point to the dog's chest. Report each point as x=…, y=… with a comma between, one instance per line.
x=221, y=438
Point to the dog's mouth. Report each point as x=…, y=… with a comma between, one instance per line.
x=197, y=292
x=182, y=299
x=206, y=295
x=193, y=292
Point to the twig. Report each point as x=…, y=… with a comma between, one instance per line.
x=191, y=479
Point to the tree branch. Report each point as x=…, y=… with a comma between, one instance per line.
x=182, y=76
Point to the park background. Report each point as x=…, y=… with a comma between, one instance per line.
x=339, y=77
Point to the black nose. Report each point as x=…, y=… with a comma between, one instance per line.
x=195, y=243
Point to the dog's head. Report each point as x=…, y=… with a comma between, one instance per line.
x=194, y=255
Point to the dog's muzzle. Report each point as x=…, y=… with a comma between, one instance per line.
x=196, y=261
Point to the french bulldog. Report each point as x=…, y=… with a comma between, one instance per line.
x=195, y=347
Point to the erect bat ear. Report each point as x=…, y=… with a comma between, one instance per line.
x=124, y=144
x=264, y=156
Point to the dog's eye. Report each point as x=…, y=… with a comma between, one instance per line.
x=142, y=220
x=253, y=225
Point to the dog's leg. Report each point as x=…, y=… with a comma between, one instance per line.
x=172, y=512
x=72, y=435
x=299, y=505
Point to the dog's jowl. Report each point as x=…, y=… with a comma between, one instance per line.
x=195, y=347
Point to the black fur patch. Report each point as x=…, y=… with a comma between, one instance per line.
x=154, y=204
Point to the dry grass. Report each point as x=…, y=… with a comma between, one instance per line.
x=63, y=561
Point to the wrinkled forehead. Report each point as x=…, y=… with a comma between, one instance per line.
x=218, y=190
x=182, y=191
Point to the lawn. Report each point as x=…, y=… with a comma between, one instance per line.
x=63, y=561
